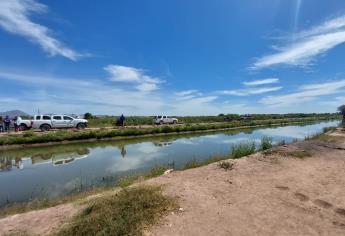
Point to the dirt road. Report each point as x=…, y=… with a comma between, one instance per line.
x=271, y=193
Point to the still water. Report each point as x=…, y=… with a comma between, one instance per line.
x=52, y=171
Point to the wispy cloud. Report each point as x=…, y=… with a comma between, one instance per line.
x=15, y=18
x=306, y=93
x=250, y=91
x=254, y=87
x=261, y=82
x=307, y=45
x=126, y=74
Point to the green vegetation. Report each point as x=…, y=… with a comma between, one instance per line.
x=327, y=129
x=225, y=165
x=110, y=121
x=266, y=143
x=65, y=135
x=243, y=149
x=128, y=212
x=300, y=154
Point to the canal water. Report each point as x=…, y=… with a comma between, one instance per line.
x=45, y=172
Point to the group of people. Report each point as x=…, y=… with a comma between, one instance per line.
x=5, y=123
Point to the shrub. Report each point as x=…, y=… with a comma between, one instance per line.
x=266, y=143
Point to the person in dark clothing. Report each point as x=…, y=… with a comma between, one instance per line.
x=16, y=127
x=122, y=120
x=1, y=124
x=7, y=123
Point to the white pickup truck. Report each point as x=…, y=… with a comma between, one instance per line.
x=47, y=122
x=160, y=120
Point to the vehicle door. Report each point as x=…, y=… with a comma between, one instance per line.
x=68, y=121
x=165, y=119
x=58, y=122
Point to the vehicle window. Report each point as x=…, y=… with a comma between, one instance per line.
x=67, y=118
x=159, y=117
x=57, y=117
x=164, y=117
x=38, y=118
x=46, y=117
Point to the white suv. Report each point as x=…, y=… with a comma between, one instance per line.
x=160, y=120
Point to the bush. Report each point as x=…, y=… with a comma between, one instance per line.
x=266, y=143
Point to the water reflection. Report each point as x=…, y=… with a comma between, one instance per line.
x=62, y=169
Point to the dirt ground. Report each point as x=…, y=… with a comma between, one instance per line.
x=270, y=193
x=273, y=194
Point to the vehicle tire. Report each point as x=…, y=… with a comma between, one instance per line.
x=161, y=122
x=81, y=126
x=174, y=122
x=23, y=127
x=45, y=127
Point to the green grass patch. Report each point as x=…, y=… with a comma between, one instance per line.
x=266, y=143
x=128, y=212
x=242, y=149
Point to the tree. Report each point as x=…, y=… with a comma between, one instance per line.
x=88, y=115
x=341, y=109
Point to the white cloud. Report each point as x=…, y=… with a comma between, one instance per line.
x=145, y=83
x=261, y=82
x=307, y=45
x=186, y=92
x=15, y=18
x=251, y=91
x=306, y=93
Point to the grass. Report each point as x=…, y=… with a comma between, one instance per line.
x=63, y=135
x=300, y=154
x=127, y=213
x=266, y=143
x=242, y=149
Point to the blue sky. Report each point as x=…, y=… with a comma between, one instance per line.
x=193, y=57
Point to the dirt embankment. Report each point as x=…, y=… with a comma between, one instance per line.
x=297, y=189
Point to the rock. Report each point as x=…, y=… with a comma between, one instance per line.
x=168, y=171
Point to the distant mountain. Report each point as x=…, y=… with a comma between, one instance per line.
x=13, y=113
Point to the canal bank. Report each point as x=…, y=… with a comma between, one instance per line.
x=53, y=171
x=280, y=191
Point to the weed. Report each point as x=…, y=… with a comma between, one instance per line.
x=126, y=213
x=225, y=165
x=242, y=149
x=266, y=143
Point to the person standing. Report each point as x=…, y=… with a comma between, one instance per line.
x=15, y=124
x=7, y=123
x=122, y=120
x=1, y=124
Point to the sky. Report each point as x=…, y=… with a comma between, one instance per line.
x=151, y=57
